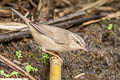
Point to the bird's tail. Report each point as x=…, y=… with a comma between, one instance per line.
x=24, y=18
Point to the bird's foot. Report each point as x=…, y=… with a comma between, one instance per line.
x=52, y=53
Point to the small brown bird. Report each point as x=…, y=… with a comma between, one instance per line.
x=54, y=39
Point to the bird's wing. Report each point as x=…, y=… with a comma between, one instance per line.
x=57, y=34
x=60, y=36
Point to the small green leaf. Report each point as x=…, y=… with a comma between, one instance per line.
x=29, y=68
x=14, y=73
x=45, y=58
x=3, y=73
x=34, y=69
x=19, y=54
x=110, y=27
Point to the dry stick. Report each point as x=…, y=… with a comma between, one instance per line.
x=50, y=8
x=94, y=5
x=66, y=2
x=81, y=74
x=39, y=5
x=6, y=37
x=78, y=21
x=55, y=68
x=79, y=13
x=14, y=79
x=113, y=15
x=4, y=2
x=15, y=67
x=4, y=12
x=34, y=5
x=11, y=26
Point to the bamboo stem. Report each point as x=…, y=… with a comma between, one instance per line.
x=55, y=68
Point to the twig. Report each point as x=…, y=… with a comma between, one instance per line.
x=34, y=5
x=112, y=15
x=12, y=26
x=20, y=7
x=4, y=12
x=14, y=79
x=6, y=37
x=50, y=8
x=4, y=2
x=94, y=5
x=15, y=67
x=79, y=13
x=81, y=74
x=77, y=21
x=39, y=5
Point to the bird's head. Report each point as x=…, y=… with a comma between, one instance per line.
x=77, y=42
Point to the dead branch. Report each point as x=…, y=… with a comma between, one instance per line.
x=77, y=21
x=6, y=37
x=112, y=15
x=11, y=26
x=15, y=67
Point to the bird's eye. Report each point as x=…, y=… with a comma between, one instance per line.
x=77, y=42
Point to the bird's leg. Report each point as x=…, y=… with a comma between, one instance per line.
x=52, y=53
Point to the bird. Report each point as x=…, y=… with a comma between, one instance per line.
x=53, y=39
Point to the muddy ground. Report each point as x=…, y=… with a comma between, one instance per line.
x=101, y=62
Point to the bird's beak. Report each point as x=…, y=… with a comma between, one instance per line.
x=85, y=49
